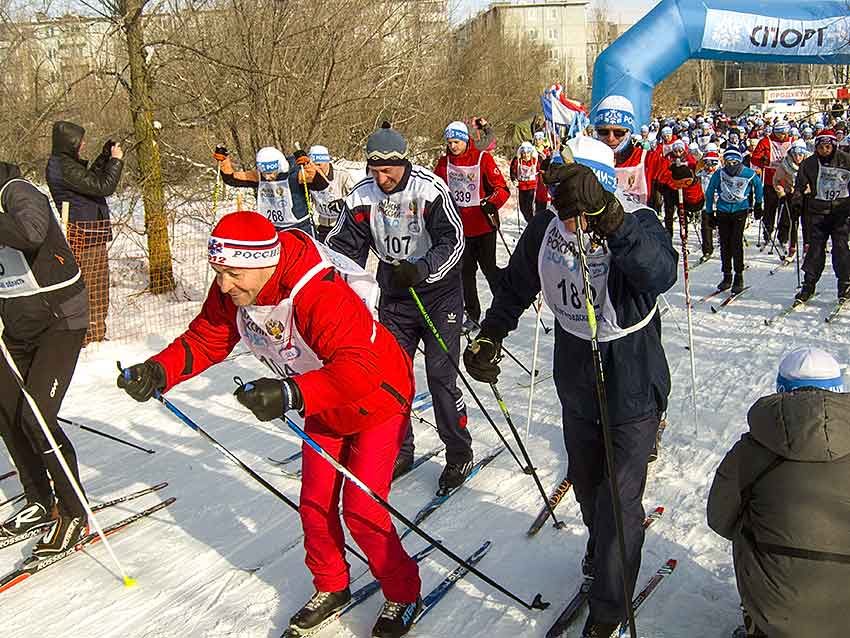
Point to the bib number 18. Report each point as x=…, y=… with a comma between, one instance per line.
x=573, y=297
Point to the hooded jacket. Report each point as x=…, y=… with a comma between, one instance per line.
x=27, y=224
x=84, y=187
x=801, y=440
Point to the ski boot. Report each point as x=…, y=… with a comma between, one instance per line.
x=67, y=531
x=843, y=291
x=32, y=515
x=594, y=629
x=453, y=476
x=396, y=619
x=806, y=292
x=726, y=283
x=738, y=283
x=321, y=606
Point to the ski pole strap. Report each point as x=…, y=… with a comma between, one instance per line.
x=795, y=552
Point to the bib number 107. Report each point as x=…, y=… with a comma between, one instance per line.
x=572, y=296
x=397, y=245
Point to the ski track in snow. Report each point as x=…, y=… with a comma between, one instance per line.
x=213, y=564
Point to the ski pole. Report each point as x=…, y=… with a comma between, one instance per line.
x=758, y=236
x=215, y=191
x=683, y=232
x=602, y=401
x=537, y=307
x=19, y=380
x=457, y=369
x=673, y=316
x=800, y=242
x=534, y=370
x=104, y=435
x=218, y=446
x=529, y=468
x=536, y=603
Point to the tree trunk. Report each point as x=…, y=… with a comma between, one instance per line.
x=147, y=152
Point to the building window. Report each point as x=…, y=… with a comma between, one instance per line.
x=553, y=54
x=532, y=34
x=553, y=34
x=554, y=13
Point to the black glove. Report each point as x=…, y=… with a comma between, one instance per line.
x=405, y=275
x=608, y=221
x=301, y=157
x=491, y=212
x=270, y=398
x=577, y=190
x=142, y=380
x=107, y=147
x=758, y=212
x=681, y=171
x=481, y=358
x=220, y=153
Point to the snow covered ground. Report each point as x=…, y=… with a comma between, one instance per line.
x=224, y=560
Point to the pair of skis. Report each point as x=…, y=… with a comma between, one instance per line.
x=429, y=601
x=577, y=602
x=831, y=316
x=33, y=566
x=729, y=299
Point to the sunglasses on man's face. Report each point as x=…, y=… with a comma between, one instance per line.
x=617, y=132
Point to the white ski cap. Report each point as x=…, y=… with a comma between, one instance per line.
x=809, y=368
x=320, y=154
x=271, y=160
x=615, y=110
x=597, y=156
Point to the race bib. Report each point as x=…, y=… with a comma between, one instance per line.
x=274, y=201
x=464, y=183
x=833, y=183
x=398, y=226
x=733, y=189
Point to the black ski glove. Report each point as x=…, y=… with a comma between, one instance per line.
x=270, y=398
x=405, y=275
x=796, y=207
x=758, y=212
x=577, y=190
x=481, y=358
x=608, y=220
x=491, y=212
x=220, y=153
x=142, y=380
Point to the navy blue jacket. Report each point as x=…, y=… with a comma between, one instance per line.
x=643, y=265
x=85, y=188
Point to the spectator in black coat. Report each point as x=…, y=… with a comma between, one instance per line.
x=85, y=189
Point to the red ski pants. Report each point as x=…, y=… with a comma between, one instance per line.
x=370, y=456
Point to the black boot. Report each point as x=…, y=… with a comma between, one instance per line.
x=594, y=629
x=806, y=292
x=402, y=466
x=843, y=291
x=319, y=608
x=726, y=283
x=30, y=516
x=396, y=619
x=587, y=562
x=738, y=283
x=454, y=474
x=67, y=531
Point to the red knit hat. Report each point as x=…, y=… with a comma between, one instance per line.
x=826, y=137
x=244, y=239
x=711, y=155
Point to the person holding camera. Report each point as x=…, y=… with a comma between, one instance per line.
x=85, y=188
x=44, y=308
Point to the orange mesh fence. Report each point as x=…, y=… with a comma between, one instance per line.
x=144, y=279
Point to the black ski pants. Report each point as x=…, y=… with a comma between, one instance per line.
x=47, y=365
x=833, y=226
x=444, y=306
x=526, y=204
x=632, y=443
x=772, y=210
x=671, y=203
x=478, y=251
x=730, y=229
x=706, y=234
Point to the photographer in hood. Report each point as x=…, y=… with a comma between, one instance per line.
x=85, y=188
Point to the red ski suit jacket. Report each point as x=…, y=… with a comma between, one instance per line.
x=492, y=188
x=760, y=158
x=652, y=166
x=691, y=186
x=366, y=377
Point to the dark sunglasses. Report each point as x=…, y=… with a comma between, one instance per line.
x=605, y=132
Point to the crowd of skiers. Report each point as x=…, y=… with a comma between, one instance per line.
x=291, y=285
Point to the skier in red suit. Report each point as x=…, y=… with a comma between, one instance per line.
x=286, y=298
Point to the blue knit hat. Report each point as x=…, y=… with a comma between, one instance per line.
x=733, y=154
x=809, y=368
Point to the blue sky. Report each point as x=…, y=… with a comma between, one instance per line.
x=625, y=10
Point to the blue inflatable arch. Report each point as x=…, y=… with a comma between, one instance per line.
x=781, y=31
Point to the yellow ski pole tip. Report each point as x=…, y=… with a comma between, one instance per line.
x=129, y=582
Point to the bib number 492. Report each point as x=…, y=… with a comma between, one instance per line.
x=397, y=245
x=573, y=297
